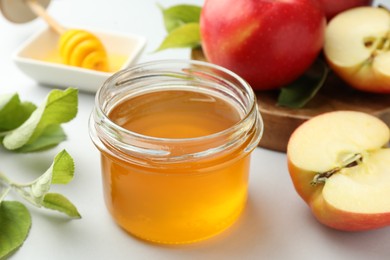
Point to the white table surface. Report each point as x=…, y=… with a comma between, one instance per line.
x=275, y=225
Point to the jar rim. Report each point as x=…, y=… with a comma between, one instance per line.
x=249, y=90
x=165, y=75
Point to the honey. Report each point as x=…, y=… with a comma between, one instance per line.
x=115, y=61
x=175, y=155
x=175, y=114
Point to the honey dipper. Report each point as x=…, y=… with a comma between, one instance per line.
x=77, y=47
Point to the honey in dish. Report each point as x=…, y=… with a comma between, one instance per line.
x=115, y=61
x=177, y=202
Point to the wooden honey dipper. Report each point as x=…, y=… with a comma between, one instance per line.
x=77, y=47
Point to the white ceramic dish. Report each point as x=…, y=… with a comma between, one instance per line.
x=30, y=59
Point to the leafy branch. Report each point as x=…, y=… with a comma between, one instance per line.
x=25, y=127
x=36, y=192
x=15, y=231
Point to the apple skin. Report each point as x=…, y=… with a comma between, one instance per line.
x=268, y=43
x=334, y=7
x=323, y=211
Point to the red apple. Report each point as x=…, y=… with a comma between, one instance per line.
x=333, y=7
x=268, y=43
x=339, y=163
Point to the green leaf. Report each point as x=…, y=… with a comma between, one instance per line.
x=185, y=36
x=301, y=91
x=63, y=168
x=15, y=223
x=58, y=202
x=50, y=137
x=59, y=107
x=60, y=172
x=178, y=15
x=38, y=189
x=13, y=112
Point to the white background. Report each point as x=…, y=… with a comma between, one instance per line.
x=275, y=225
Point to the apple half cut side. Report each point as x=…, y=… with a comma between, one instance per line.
x=357, y=48
x=339, y=163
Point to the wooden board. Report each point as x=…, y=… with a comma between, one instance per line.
x=335, y=95
x=280, y=122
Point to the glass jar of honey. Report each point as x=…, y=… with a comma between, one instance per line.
x=175, y=139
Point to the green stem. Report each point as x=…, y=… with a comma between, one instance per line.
x=4, y=193
x=5, y=180
x=4, y=183
x=9, y=184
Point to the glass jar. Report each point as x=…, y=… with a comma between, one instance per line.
x=175, y=139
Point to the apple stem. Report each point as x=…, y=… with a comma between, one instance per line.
x=349, y=163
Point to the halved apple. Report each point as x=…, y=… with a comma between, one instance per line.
x=339, y=163
x=357, y=43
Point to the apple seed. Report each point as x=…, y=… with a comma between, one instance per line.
x=369, y=42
